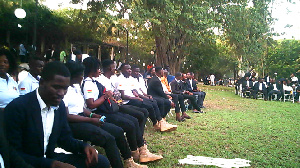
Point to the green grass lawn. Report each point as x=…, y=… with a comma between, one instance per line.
x=264, y=132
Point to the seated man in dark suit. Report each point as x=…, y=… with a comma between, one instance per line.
x=192, y=84
x=259, y=87
x=247, y=85
x=8, y=155
x=274, y=88
x=37, y=122
x=177, y=88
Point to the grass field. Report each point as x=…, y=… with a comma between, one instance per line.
x=264, y=132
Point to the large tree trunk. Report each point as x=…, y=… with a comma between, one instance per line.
x=168, y=50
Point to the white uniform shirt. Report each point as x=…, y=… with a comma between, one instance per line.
x=260, y=86
x=139, y=85
x=74, y=100
x=47, y=119
x=275, y=88
x=294, y=79
x=287, y=88
x=29, y=84
x=107, y=83
x=127, y=85
x=8, y=91
x=90, y=90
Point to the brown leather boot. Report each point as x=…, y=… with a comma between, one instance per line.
x=169, y=126
x=147, y=156
x=129, y=163
x=135, y=155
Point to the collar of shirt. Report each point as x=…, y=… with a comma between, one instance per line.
x=177, y=80
x=33, y=78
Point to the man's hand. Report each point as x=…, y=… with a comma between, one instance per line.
x=140, y=99
x=96, y=116
x=91, y=156
x=149, y=96
x=108, y=94
x=95, y=121
x=58, y=164
x=172, y=104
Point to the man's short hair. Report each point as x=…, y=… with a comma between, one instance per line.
x=75, y=68
x=123, y=65
x=177, y=74
x=37, y=58
x=134, y=66
x=106, y=64
x=77, y=52
x=157, y=69
x=54, y=68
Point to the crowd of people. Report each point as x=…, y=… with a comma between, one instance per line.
x=271, y=89
x=70, y=104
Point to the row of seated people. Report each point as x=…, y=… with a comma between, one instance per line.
x=37, y=121
x=269, y=89
x=182, y=87
x=40, y=116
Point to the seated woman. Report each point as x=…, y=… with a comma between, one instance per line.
x=88, y=126
x=97, y=99
x=8, y=86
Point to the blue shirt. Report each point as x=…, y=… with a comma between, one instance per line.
x=8, y=91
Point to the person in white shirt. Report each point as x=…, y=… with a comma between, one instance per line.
x=8, y=86
x=31, y=82
x=259, y=87
x=212, y=79
x=274, y=88
x=294, y=78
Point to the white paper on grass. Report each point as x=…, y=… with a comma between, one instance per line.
x=220, y=162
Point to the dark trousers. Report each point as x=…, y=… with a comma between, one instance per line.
x=154, y=113
x=192, y=98
x=254, y=93
x=201, y=97
x=179, y=102
x=130, y=125
x=139, y=113
x=274, y=92
x=79, y=160
x=108, y=136
x=164, y=105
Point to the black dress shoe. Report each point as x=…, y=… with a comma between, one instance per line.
x=196, y=111
x=181, y=119
x=186, y=116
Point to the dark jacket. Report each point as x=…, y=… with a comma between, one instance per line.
x=176, y=87
x=155, y=88
x=256, y=86
x=25, y=127
x=9, y=155
x=244, y=84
